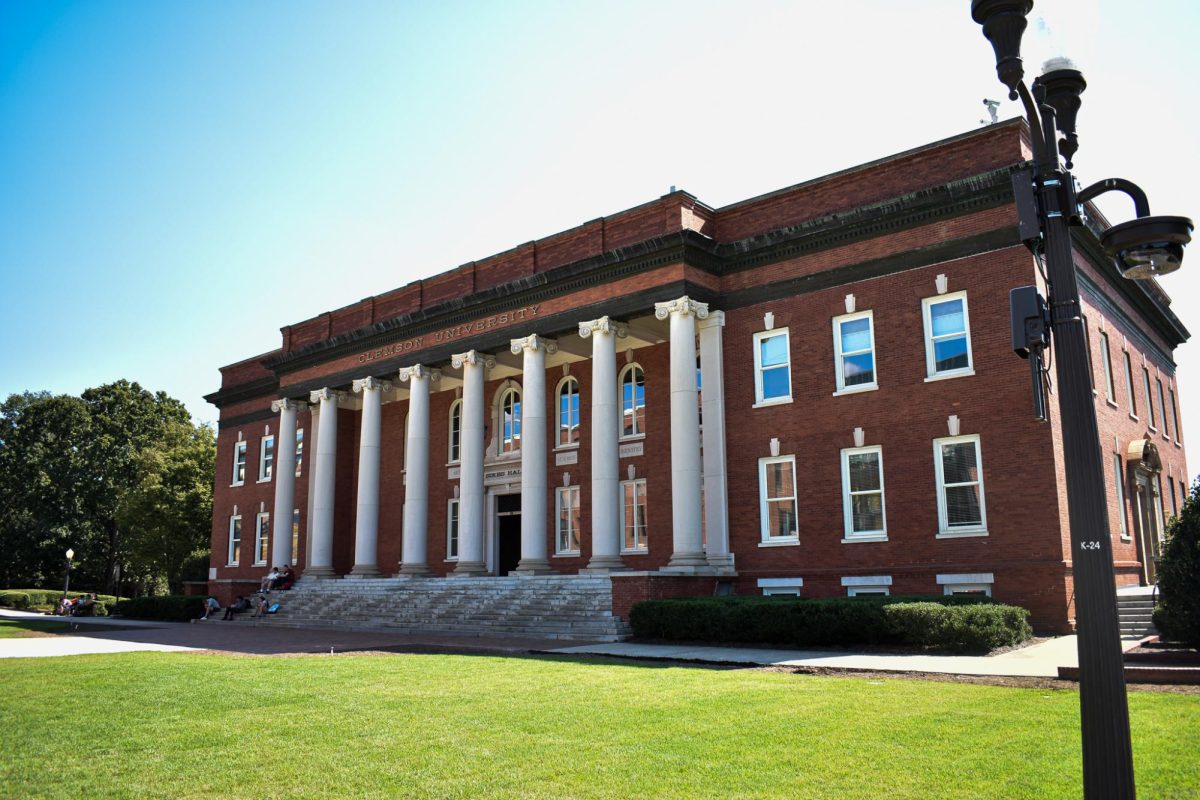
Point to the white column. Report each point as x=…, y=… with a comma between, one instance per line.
x=471, y=498
x=309, y=470
x=688, y=550
x=534, y=489
x=285, y=481
x=414, y=549
x=320, y=556
x=716, y=492
x=366, y=520
x=606, y=431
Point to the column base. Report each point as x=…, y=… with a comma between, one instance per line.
x=321, y=573
x=722, y=563
x=469, y=569
x=532, y=566
x=365, y=571
x=416, y=570
x=689, y=560
x=602, y=564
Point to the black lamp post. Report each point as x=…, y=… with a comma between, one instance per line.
x=1144, y=247
x=67, y=579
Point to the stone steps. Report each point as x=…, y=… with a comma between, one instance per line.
x=1135, y=615
x=553, y=607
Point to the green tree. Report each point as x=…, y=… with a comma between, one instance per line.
x=1177, y=615
x=167, y=516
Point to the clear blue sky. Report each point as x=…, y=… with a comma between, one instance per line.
x=178, y=180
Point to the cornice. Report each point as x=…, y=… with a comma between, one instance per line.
x=261, y=387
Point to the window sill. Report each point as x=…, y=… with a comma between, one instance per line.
x=1178, y=443
x=869, y=387
x=775, y=401
x=234, y=485
x=260, y=563
x=1126, y=539
x=233, y=564
x=450, y=560
x=1134, y=417
x=568, y=554
x=561, y=447
x=642, y=551
x=263, y=480
x=633, y=437
x=1111, y=403
x=971, y=534
x=872, y=537
x=789, y=542
x=945, y=376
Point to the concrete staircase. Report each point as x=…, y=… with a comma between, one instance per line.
x=1135, y=608
x=549, y=607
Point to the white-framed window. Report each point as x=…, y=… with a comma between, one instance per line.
x=1149, y=399
x=566, y=526
x=868, y=585
x=1171, y=491
x=772, y=367
x=777, y=500
x=262, y=535
x=959, y=469
x=781, y=586
x=633, y=401
x=509, y=416
x=633, y=503
x=854, y=352
x=235, y=540
x=862, y=494
x=1132, y=396
x=1119, y=480
x=947, y=336
x=266, y=458
x=295, y=536
x=452, y=529
x=568, y=412
x=455, y=432
x=1110, y=389
x=973, y=583
x=239, y=464
x=1162, y=406
x=299, y=452
x=1175, y=417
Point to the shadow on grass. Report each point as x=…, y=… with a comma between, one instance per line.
x=25, y=628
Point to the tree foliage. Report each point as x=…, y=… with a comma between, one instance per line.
x=1178, y=613
x=84, y=472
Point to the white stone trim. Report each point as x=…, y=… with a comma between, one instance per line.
x=931, y=371
x=867, y=580
x=781, y=586
x=965, y=577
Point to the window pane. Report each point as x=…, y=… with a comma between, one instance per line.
x=859, y=369
x=962, y=506
x=950, y=354
x=864, y=472
x=779, y=480
x=856, y=335
x=867, y=510
x=776, y=383
x=781, y=518
x=946, y=318
x=773, y=351
x=958, y=463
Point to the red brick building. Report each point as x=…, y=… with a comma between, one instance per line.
x=861, y=423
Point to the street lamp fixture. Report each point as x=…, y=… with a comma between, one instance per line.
x=67, y=579
x=1048, y=206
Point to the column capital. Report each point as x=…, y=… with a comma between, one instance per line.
x=472, y=357
x=288, y=403
x=326, y=394
x=370, y=383
x=533, y=342
x=418, y=371
x=715, y=319
x=683, y=305
x=603, y=325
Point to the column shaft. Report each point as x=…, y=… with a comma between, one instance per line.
x=606, y=429
x=534, y=497
x=320, y=557
x=414, y=556
x=285, y=482
x=366, y=521
x=471, y=550
x=716, y=492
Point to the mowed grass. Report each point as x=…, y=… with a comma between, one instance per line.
x=25, y=628
x=146, y=725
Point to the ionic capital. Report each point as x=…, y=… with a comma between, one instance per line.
x=370, y=384
x=533, y=342
x=288, y=404
x=326, y=395
x=684, y=305
x=417, y=372
x=715, y=319
x=603, y=325
x=473, y=358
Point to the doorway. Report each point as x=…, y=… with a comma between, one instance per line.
x=1149, y=515
x=508, y=533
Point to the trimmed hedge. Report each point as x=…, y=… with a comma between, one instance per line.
x=956, y=624
x=173, y=607
x=35, y=598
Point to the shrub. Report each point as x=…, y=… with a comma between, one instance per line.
x=15, y=599
x=1177, y=615
x=951, y=623
x=176, y=607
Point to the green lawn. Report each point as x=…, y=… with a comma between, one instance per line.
x=24, y=628
x=205, y=726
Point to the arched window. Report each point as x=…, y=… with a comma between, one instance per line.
x=455, y=431
x=633, y=401
x=568, y=412
x=510, y=420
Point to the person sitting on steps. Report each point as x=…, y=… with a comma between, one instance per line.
x=239, y=606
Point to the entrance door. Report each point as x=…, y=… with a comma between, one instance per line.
x=1148, y=526
x=508, y=533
